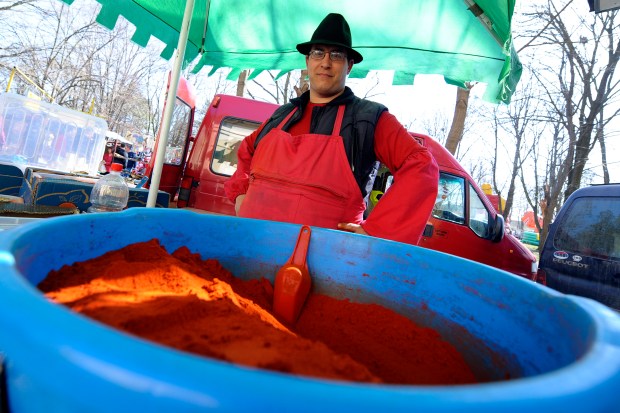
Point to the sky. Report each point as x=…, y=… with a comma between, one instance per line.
x=427, y=96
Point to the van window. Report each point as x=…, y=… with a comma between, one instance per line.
x=231, y=134
x=591, y=226
x=450, y=202
x=478, y=214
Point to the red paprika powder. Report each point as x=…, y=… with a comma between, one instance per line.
x=195, y=305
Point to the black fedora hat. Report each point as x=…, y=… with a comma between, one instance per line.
x=334, y=31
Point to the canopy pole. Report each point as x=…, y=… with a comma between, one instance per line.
x=169, y=108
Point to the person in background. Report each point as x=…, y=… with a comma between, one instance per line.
x=120, y=155
x=63, y=147
x=16, y=135
x=131, y=160
x=89, y=143
x=140, y=168
x=314, y=161
x=108, y=156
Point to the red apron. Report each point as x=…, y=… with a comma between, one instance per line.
x=304, y=179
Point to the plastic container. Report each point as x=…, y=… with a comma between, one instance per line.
x=11, y=222
x=110, y=193
x=46, y=135
x=562, y=352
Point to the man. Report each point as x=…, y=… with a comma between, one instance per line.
x=120, y=155
x=315, y=160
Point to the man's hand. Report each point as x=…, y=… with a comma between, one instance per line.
x=355, y=228
x=238, y=202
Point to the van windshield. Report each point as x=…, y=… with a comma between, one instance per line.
x=591, y=226
x=179, y=132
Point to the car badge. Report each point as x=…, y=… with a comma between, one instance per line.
x=561, y=255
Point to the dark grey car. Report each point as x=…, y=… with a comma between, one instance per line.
x=581, y=255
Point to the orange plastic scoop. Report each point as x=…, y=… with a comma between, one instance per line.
x=292, y=284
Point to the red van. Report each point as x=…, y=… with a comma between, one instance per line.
x=463, y=222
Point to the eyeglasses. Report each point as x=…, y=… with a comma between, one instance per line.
x=334, y=55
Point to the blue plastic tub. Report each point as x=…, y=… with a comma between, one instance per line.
x=562, y=352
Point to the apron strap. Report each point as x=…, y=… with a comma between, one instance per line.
x=338, y=122
x=286, y=119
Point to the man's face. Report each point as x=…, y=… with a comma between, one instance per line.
x=327, y=75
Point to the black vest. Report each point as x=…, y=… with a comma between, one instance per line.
x=357, y=131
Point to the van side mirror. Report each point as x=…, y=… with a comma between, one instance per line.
x=497, y=229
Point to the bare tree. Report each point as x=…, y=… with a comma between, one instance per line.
x=546, y=196
x=10, y=4
x=372, y=86
x=458, y=122
x=122, y=70
x=209, y=87
x=241, y=83
x=515, y=130
x=600, y=137
x=304, y=84
x=81, y=64
x=281, y=89
x=436, y=126
x=577, y=78
x=10, y=26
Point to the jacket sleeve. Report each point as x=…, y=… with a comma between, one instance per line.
x=240, y=180
x=403, y=211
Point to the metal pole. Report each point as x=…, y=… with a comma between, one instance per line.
x=170, y=101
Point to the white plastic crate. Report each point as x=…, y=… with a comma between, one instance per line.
x=11, y=222
x=46, y=135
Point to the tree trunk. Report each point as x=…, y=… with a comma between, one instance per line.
x=458, y=123
x=241, y=83
x=582, y=150
x=303, y=83
x=600, y=137
x=604, y=159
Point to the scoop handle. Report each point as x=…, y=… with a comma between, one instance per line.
x=301, y=248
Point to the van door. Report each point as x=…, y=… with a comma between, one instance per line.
x=581, y=255
x=176, y=148
x=179, y=140
x=465, y=223
x=222, y=164
x=213, y=158
x=461, y=224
